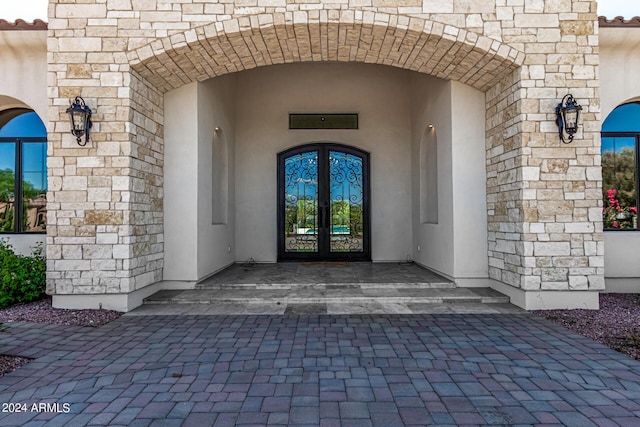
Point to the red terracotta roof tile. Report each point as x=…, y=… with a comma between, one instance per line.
x=21, y=24
x=619, y=21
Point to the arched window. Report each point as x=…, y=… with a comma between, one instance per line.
x=23, y=172
x=620, y=143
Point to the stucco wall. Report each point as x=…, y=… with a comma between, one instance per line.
x=456, y=245
x=619, y=65
x=431, y=104
x=216, y=110
x=394, y=109
x=24, y=70
x=24, y=84
x=265, y=98
x=394, y=106
x=181, y=184
x=469, y=179
x=194, y=246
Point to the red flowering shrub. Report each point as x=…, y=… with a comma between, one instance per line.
x=616, y=216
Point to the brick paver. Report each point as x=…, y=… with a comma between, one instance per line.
x=327, y=370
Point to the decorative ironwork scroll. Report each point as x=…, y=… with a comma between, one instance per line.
x=346, y=199
x=301, y=202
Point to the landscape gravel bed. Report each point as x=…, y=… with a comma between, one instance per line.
x=616, y=324
x=42, y=312
x=11, y=363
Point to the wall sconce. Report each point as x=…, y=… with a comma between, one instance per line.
x=80, y=118
x=567, y=115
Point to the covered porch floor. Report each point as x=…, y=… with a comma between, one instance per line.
x=326, y=288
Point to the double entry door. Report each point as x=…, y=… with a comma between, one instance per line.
x=323, y=203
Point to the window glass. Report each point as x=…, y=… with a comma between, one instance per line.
x=619, y=149
x=7, y=185
x=619, y=182
x=23, y=172
x=34, y=186
x=26, y=125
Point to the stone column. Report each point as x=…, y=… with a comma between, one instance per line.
x=544, y=197
x=104, y=235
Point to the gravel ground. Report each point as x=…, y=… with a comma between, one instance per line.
x=42, y=312
x=616, y=324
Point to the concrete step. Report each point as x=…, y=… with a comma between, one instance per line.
x=318, y=286
x=330, y=294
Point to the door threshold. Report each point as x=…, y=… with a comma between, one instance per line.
x=327, y=263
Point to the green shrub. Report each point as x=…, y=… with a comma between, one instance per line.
x=22, y=278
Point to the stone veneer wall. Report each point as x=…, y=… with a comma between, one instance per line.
x=544, y=197
x=105, y=212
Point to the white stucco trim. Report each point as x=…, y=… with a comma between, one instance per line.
x=548, y=300
x=622, y=285
x=123, y=302
x=24, y=243
x=119, y=302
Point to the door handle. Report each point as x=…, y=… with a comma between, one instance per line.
x=323, y=216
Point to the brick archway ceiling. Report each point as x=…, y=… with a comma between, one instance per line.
x=248, y=42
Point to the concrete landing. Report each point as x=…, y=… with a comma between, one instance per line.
x=327, y=288
x=309, y=273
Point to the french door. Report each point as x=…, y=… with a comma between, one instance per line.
x=323, y=203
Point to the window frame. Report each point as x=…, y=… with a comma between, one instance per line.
x=17, y=189
x=635, y=135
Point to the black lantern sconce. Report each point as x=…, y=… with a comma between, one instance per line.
x=80, y=118
x=567, y=115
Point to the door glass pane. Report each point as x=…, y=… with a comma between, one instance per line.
x=7, y=185
x=619, y=182
x=301, y=202
x=346, y=198
x=34, y=186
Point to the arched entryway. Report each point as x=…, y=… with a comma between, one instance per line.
x=323, y=203
x=514, y=187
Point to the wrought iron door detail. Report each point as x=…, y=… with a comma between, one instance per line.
x=347, y=200
x=323, y=192
x=301, y=202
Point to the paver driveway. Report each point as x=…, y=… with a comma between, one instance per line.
x=340, y=370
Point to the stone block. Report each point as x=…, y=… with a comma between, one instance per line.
x=97, y=251
x=104, y=217
x=530, y=173
x=579, y=227
x=121, y=251
x=530, y=283
x=90, y=162
x=596, y=282
x=82, y=44
x=551, y=249
x=576, y=28
x=72, y=265
x=437, y=6
x=74, y=183
x=71, y=252
x=99, y=194
x=578, y=283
